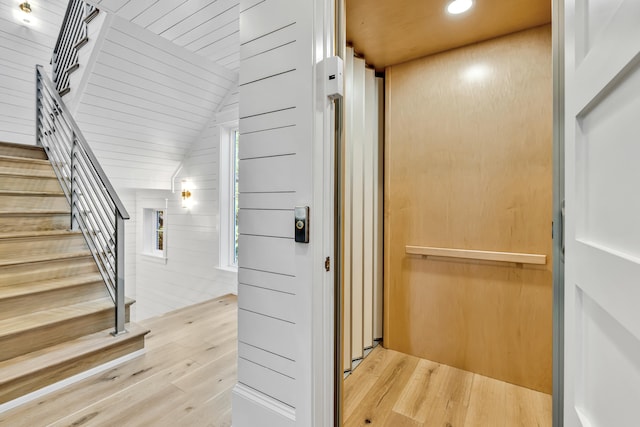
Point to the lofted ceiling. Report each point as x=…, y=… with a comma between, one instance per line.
x=391, y=32
x=208, y=28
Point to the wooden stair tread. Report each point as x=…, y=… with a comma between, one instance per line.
x=17, y=159
x=18, y=290
x=29, y=173
x=34, y=362
x=44, y=257
x=38, y=233
x=34, y=213
x=23, y=150
x=38, y=319
x=18, y=145
x=31, y=193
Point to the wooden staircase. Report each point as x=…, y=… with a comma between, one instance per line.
x=56, y=316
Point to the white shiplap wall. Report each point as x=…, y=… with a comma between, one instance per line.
x=21, y=48
x=277, y=276
x=206, y=27
x=145, y=102
x=189, y=275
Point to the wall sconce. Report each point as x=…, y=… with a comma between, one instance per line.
x=23, y=14
x=186, y=194
x=25, y=7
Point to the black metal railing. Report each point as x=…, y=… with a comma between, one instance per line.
x=96, y=209
x=73, y=34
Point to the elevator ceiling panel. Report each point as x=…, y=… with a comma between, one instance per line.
x=391, y=32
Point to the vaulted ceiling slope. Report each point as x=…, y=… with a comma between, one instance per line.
x=145, y=102
x=390, y=32
x=21, y=47
x=209, y=28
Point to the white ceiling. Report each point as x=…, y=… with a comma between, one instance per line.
x=21, y=47
x=153, y=88
x=209, y=28
x=46, y=19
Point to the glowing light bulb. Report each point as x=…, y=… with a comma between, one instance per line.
x=459, y=6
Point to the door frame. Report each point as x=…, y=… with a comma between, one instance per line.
x=557, y=25
x=557, y=37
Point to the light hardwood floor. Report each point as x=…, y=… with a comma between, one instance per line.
x=397, y=390
x=183, y=379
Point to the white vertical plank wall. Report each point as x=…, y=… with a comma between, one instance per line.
x=362, y=192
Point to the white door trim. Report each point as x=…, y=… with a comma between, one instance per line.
x=322, y=226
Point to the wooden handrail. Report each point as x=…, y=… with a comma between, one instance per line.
x=514, y=257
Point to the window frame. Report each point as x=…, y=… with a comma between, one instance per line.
x=150, y=232
x=228, y=205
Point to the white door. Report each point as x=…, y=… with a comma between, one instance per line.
x=602, y=286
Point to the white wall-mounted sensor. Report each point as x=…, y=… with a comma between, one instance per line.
x=334, y=70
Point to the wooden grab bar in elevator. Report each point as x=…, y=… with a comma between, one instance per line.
x=514, y=257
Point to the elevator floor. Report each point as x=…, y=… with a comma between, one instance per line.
x=397, y=390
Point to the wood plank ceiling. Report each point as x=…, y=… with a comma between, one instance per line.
x=209, y=28
x=392, y=32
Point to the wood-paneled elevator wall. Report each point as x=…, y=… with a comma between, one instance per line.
x=469, y=166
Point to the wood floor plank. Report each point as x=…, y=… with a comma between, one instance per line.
x=361, y=380
x=398, y=420
x=376, y=407
x=421, y=388
x=396, y=390
x=213, y=413
x=454, y=393
x=211, y=380
x=526, y=408
x=124, y=408
x=488, y=398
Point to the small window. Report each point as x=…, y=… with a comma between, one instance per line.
x=158, y=241
x=229, y=207
x=236, y=207
x=155, y=239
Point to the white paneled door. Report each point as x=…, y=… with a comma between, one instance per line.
x=602, y=286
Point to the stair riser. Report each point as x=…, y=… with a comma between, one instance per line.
x=16, y=151
x=13, y=249
x=28, y=183
x=24, y=168
x=33, y=203
x=56, y=269
x=35, y=339
x=34, y=223
x=17, y=306
x=52, y=374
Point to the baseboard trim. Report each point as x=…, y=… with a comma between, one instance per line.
x=68, y=381
x=252, y=408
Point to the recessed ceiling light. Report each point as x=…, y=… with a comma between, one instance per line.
x=459, y=6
